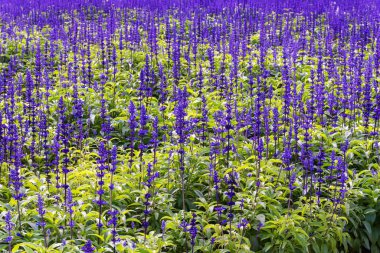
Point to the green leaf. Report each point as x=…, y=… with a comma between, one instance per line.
x=324, y=248
x=267, y=247
x=367, y=227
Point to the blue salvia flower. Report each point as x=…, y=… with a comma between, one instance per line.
x=55, y=162
x=163, y=228
x=113, y=167
x=78, y=115
x=113, y=212
x=332, y=102
x=243, y=224
x=103, y=168
x=63, y=243
x=9, y=225
x=286, y=158
x=320, y=158
x=193, y=230
x=176, y=56
x=132, y=130
x=242, y=204
x=219, y=211
x=41, y=212
x=184, y=225
x=113, y=224
x=151, y=176
x=163, y=86
x=216, y=181
x=200, y=80
x=29, y=106
x=342, y=170
x=345, y=147
x=267, y=129
x=367, y=105
x=180, y=114
x=204, y=119
x=228, y=127
x=230, y=193
x=142, y=133
x=88, y=248
x=154, y=141
x=146, y=79
x=143, y=84
x=3, y=141
x=275, y=128
x=64, y=137
x=292, y=187
x=45, y=146
x=70, y=210
x=376, y=110
x=146, y=203
x=180, y=127
x=16, y=179
x=121, y=46
x=331, y=168
x=106, y=124
x=114, y=63
x=147, y=197
x=260, y=149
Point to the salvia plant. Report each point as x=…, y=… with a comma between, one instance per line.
x=189, y=126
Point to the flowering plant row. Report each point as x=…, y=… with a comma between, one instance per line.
x=189, y=126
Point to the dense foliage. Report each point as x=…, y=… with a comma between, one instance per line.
x=189, y=126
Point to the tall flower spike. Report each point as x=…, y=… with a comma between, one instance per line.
x=113, y=212
x=9, y=225
x=181, y=130
x=70, y=210
x=41, y=212
x=132, y=130
x=113, y=224
x=142, y=133
x=102, y=168
x=193, y=231
x=16, y=178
